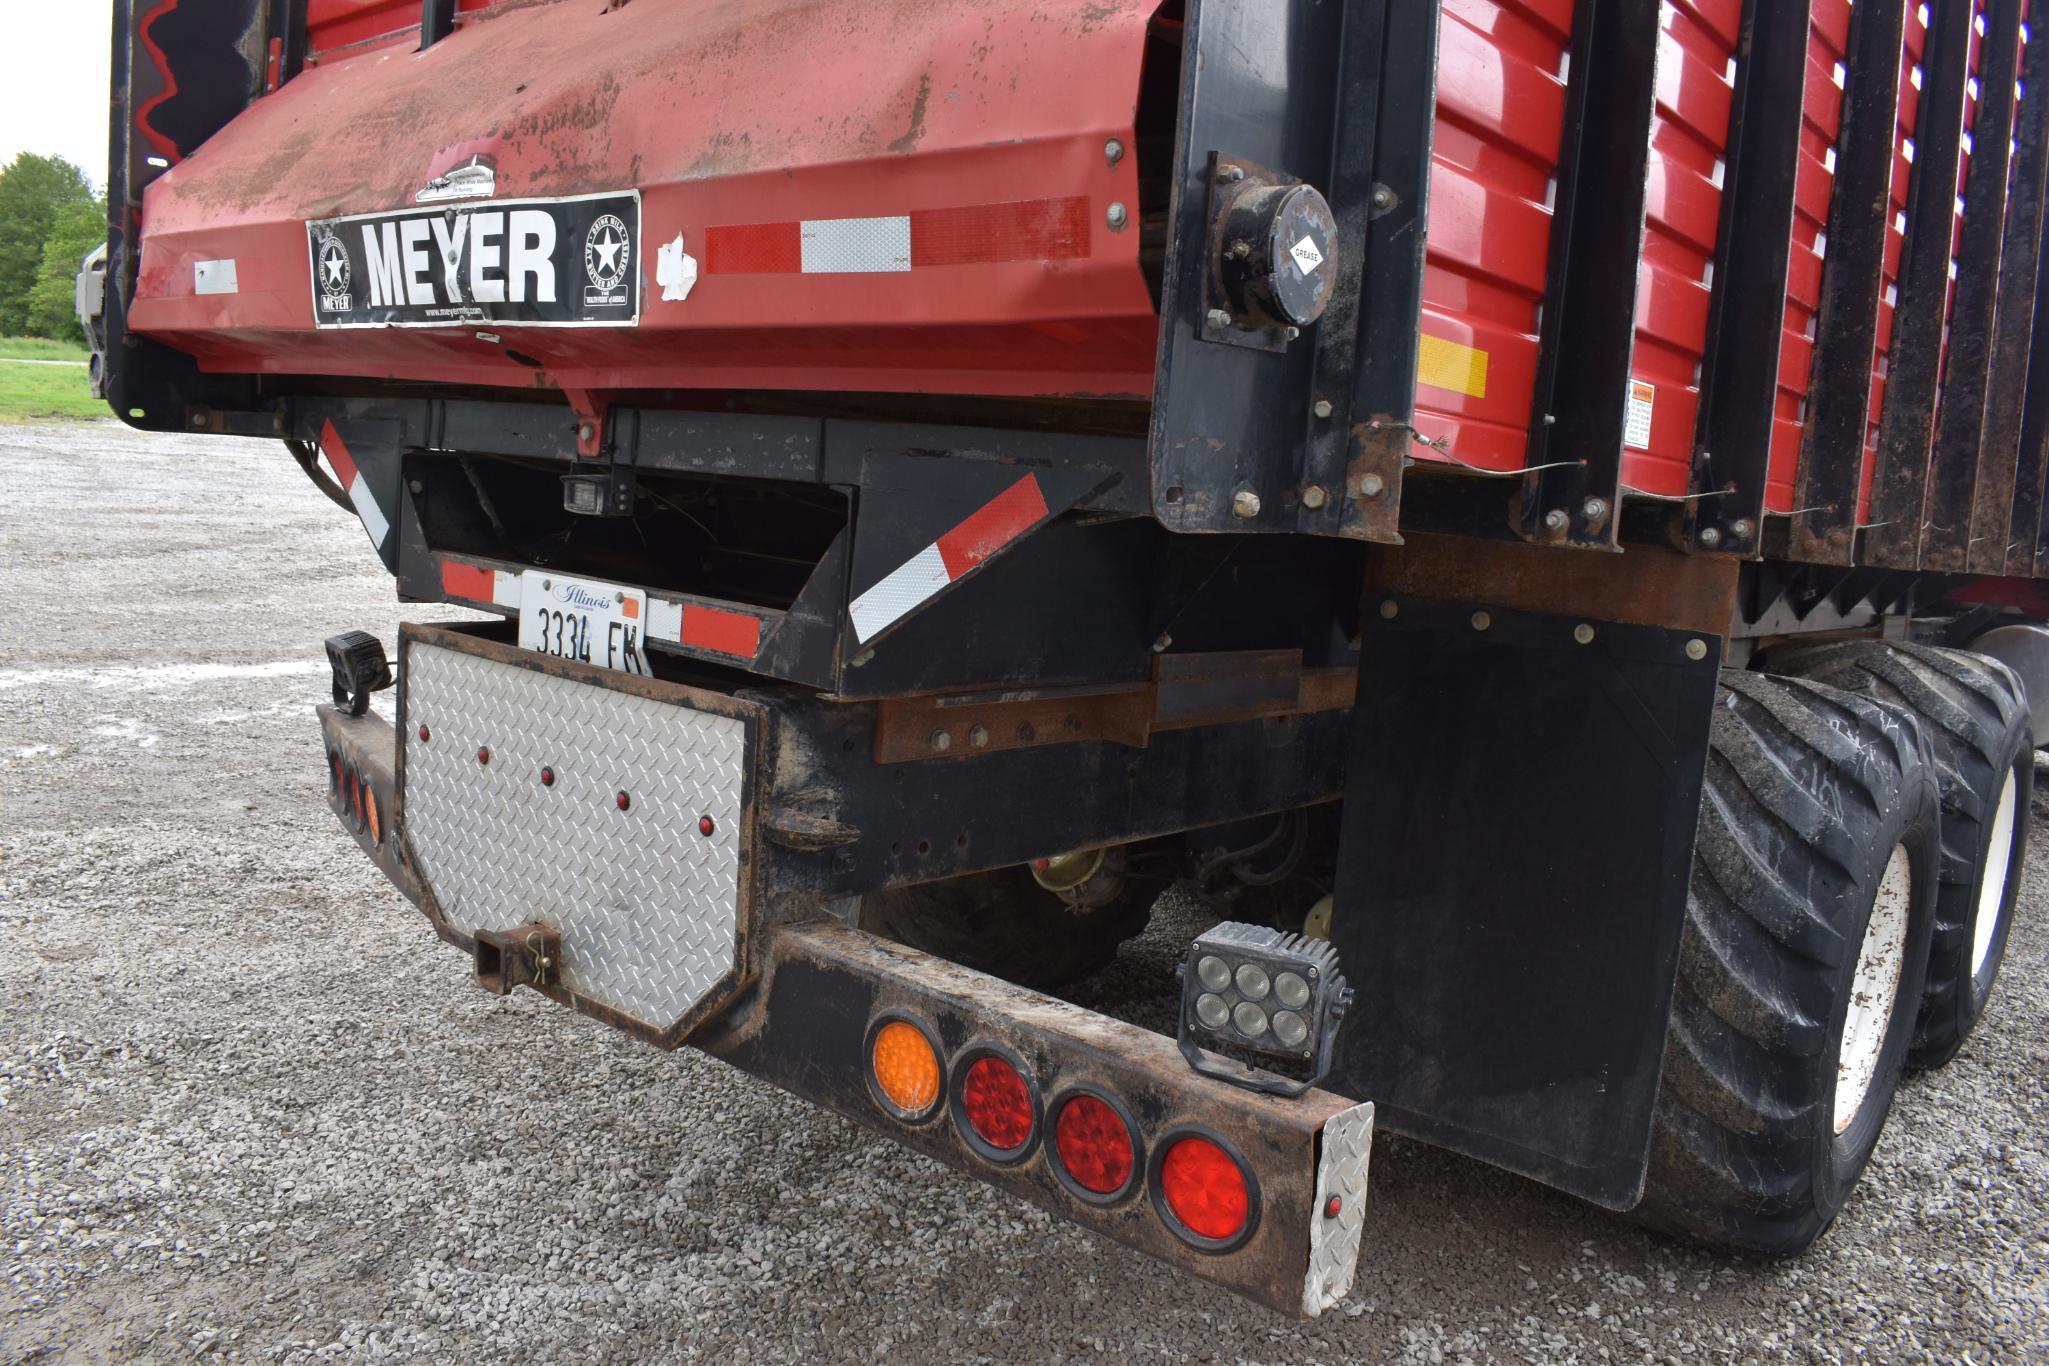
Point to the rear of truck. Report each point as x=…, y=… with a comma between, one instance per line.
x=938, y=475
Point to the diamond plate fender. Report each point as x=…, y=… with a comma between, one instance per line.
x=1334, y=1239
x=537, y=790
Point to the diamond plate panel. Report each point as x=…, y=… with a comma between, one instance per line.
x=648, y=907
x=1334, y=1243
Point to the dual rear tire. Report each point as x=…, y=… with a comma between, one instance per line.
x=1855, y=869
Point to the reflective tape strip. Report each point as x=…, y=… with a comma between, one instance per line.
x=358, y=488
x=974, y=234
x=1004, y=518
x=1451, y=365
x=696, y=625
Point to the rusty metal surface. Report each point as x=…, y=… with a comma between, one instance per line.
x=524, y=956
x=367, y=743
x=823, y=985
x=1187, y=691
x=1378, y=453
x=1643, y=586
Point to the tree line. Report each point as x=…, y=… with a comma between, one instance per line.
x=50, y=220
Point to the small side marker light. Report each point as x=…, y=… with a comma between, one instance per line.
x=625, y=801
x=1333, y=1207
x=905, y=1069
x=706, y=826
x=547, y=777
x=483, y=754
x=423, y=735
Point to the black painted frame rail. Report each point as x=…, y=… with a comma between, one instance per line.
x=1906, y=425
x=2014, y=323
x=1954, y=464
x=1588, y=334
x=1823, y=527
x=1739, y=376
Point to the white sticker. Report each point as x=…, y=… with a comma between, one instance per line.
x=1636, y=419
x=675, y=270
x=1307, y=257
x=214, y=277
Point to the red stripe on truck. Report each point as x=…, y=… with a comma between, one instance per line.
x=467, y=581
x=337, y=454
x=729, y=633
x=994, y=525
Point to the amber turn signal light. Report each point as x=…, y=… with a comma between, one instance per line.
x=904, y=1067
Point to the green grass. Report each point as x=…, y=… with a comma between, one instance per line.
x=34, y=393
x=39, y=348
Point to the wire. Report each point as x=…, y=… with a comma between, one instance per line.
x=308, y=456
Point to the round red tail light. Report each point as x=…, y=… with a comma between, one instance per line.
x=1094, y=1145
x=1205, y=1192
x=996, y=1104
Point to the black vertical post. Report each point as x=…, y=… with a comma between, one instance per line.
x=291, y=35
x=2014, y=322
x=1906, y=424
x=1588, y=334
x=1739, y=383
x=1390, y=307
x=1960, y=420
x=437, y=21
x=1852, y=284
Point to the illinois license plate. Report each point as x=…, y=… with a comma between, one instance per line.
x=584, y=620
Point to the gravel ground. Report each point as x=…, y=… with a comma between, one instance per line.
x=250, y=1107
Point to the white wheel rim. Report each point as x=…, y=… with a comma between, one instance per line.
x=1876, y=987
x=1992, y=891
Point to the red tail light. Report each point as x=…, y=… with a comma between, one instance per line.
x=1094, y=1146
x=1204, y=1190
x=996, y=1104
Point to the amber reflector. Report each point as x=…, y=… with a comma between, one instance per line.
x=370, y=812
x=906, y=1069
x=1204, y=1188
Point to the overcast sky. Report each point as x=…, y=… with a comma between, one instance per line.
x=53, y=82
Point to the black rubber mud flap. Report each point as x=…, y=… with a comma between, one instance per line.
x=1519, y=818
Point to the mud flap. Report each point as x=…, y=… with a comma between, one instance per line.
x=1518, y=827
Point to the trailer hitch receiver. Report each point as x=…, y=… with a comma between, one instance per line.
x=525, y=956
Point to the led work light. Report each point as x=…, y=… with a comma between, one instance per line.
x=1260, y=1008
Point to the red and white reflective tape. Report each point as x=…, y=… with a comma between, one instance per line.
x=1009, y=515
x=976, y=234
x=374, y=520
x=696, y=625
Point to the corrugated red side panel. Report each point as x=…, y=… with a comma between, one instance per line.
x=1689, y=134
x=1820, y=128
x=332, y=24
x=1500, y=115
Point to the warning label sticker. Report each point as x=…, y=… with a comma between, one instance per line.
x=1636, y=416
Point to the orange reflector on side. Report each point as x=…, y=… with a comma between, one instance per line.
x=905, y=1068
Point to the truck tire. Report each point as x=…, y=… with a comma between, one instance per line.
x=1005, y=924
x=1974, y=711
x=1808, y=919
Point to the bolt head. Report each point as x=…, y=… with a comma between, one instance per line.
x=1557, y=519
x=584, y=431
x=1322, y=408
x=1583, y=633
x=1696, y=649
x=1313, y=497
x=1231, y=175
x=1113, y=151
x=1740, y=528
x=1710, y=537
x=1159, y=648
x=1389, y=609
x=1291, y=332
x=978, y=737
x=941, y=741
x=1482, y=620
x=1370, y=485
x=1383, y=198
x=1118, y=216
x=1245, y=503
x=1219, y=318
x=1594, y=509
x=416, y=486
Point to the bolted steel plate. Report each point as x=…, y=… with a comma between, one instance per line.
x=647, y=902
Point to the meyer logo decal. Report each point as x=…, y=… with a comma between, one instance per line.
x=540, y=262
